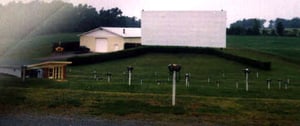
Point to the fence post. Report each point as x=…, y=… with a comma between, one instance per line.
x=130, y=69
x=108, y=77
x=187, y=80
x=269, y=83
x=247, y=71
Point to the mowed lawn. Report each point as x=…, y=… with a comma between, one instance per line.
x=205, y=102
x=40, y=46
x=282, y=46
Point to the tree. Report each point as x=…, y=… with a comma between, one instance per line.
x=236, y=30
x=293, y=23
x=256, y=27
x=57, y=17
x=271, y=24
x=110, y=17
x=280, y=28
x=295, y=32
x=246, y=27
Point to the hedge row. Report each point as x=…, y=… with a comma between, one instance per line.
x=96, y=58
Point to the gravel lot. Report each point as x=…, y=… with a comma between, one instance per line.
x=30, y=120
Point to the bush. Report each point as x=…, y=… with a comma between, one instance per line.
x=67, y=45
x=82, y=49
x=97, y=58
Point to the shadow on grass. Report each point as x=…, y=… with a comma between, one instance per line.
x=10, y=97
x=123, y=107
x=278, y=108
x=58, y=101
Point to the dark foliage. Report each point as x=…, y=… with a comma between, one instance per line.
x=97, y=58
x=131, y=45
x=68, y=46
x=293, y=23
x=246, y=27
x=82, y=49
x=34, y=18
x=255, y=27
x=280, y=28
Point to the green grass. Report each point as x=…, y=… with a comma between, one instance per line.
x=282, y=46
x=43, y=44
x=26, y=50
x=34, y=47
x=125, y=107
x=81, y=94
x=156, y=107
x=153, y=67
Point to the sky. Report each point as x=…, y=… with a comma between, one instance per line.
x=236, y=9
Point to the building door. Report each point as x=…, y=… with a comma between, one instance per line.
x=101, y=45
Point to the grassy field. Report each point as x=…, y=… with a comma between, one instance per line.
x=27, y=49
x=40, y=46
x=204, y=102
x=282, y=46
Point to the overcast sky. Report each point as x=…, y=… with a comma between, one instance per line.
x=236, y=9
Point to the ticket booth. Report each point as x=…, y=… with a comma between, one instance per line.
x=54, y=70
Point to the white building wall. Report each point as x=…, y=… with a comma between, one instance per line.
x=100, y=34
x=14, y=71
x=184, y=28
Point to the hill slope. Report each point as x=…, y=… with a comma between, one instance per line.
x=27, y=49
x=149, y=96
x=202, y=103
x=282, y=46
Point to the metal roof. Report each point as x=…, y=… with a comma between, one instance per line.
x=47, y=64
x=125, y=32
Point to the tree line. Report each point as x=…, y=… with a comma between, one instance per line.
x=19, y=19
x=278, y=27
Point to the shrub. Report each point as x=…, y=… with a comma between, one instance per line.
x=82, y=49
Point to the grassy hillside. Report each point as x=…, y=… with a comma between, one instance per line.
x=33, y=47
x=152, y=67
x=282, y=46
x=26, y=49
x=202, y=103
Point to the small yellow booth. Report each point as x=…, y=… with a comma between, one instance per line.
x=55, y=70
